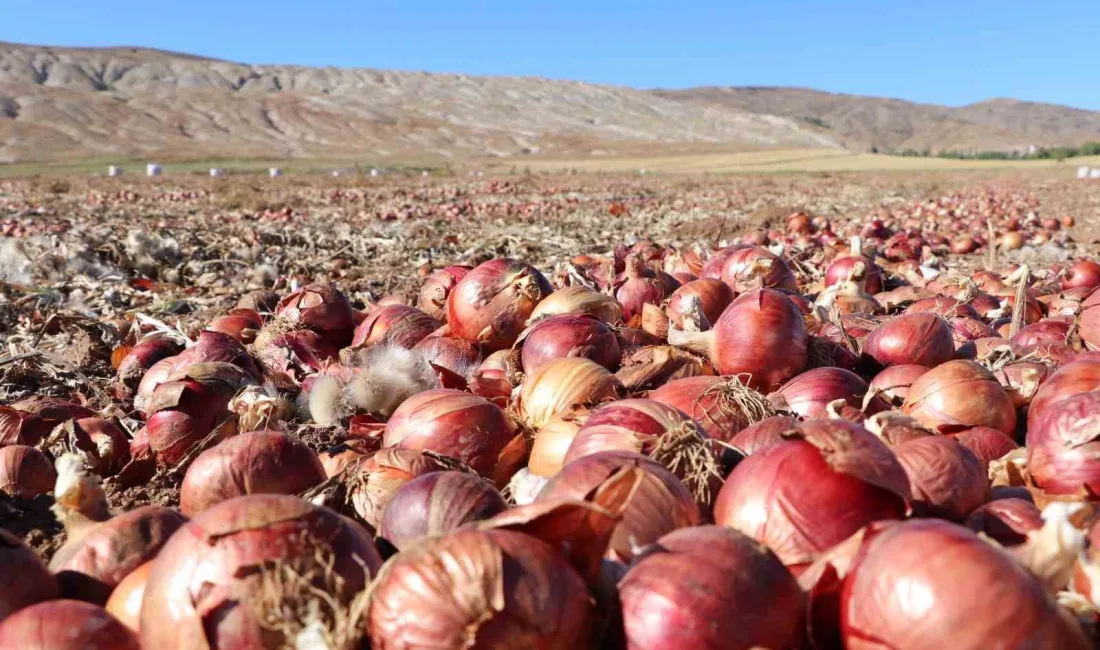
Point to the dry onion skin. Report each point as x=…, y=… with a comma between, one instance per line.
x=436, y=504
x=958, y=395
x=562, y=385
x=66, y=625
x=491, y=304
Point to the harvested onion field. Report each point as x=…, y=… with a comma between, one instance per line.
x=552, y=411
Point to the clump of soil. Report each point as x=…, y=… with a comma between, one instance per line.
x=32, y=521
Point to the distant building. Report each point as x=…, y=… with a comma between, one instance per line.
x=216, y=172
x=114, y=170
x=153, y=169
x=274, y=172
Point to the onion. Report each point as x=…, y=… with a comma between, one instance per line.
x=1022, y=380
x=336, y=458
x=1045, y=332
x=436, y=504
x=432, y=298
x=958, y=395
x=25, y=580
x=569, y=335
x=986, y=443
x=711, y=587
x=261, y=462
x=493, y=385
x=490, y=305
x=1063, y=446
x=399, y=325
x=1085, y=273
x=234, y=563
x=321, y=308
x=372, y=481
x=103, y=446
x=296, y=354
x=932, y=584
x=712, y=268
x=553, y=440
x=125, y=601
x=29, y=420
x=713, y=295
x=183, y=413
x=652, y=429
x=578, y=300
x=895, y=429
x=945, y=478
x=894, y=382
x=1007, y=521
x=941, y=306
x=658, y=505
x=25, y=472
x=1078, y=376
x=721, y=405
x=210, y=347
x=809, y=393
x=241, y=324
x=639, y=286
x=494, y=588
x=143, y=355
x=460, y=425
x=922, y=339
x=457, y=355
x=842, y=267
x=752, y=267
x=563, y=384
x=88, y=568
x=763, y=434
x=761, y=335
x=65, y=625
x=814, y=489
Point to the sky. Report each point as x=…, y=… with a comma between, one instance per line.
x=934, y=51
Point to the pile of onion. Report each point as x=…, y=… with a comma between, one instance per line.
x=1063, y=446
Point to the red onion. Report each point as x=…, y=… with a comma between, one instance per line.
x=457, y=355
x=958, y=395
x=436, y=504
x=372, y=481
x=103, y=446
x=1044, y=332
x=490, y=305
x=713, y=294
x=241, y=324
x=1022, y=380
x=296, y=354
x=25, y=580
x=210, y=347
x=763, y=434
x=495, y=588
x=432, y=298
x=322, y=308
x=722, y=406
x=261, y=462
x=761, y=335
x=717, y=261
x=569, y=335
x=941, y=306
x=1008, y=521
x=578, y=300
x=1078, y=376
x=639, y=286
x=1083, y=274
x=894, y=382
x=811, y=491
x=945, y=478
x=65, y=625
x=840, y=268
x=399, y=325
x=208, y=584
x=922, y=339
x=659, y=504
x=809, y=393
x=553, y=440
x=125, y=601
x=143, y=355
x=932, y=584
x=88, y=568
x=985, y=443
x=183, y=413
x=1063, y=446
x=456, y=424
x=753, y=267
x=710, y=587
x=493, y=385
x=35, y=417
x=25, y=472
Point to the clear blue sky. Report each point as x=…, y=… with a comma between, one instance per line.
x=933, y=51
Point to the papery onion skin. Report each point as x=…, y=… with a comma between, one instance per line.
x=491, y=304
x=90, y=567
x=374, y=480
x=894, y=382
x=763, y=434
x=432, y=298
x=628, y=425
x=553, y=440
x=714, y=296
x=456, y=424
x=922, y=339
x=564, y=384
x=741, y=272
x=25, y=472
x=436, y=504
x=143, y=355
x=711, y=587
x=1063, y=446
x=986, y=443
x=125, y=601
x=399, y=325
x=1078, y=376
x=809, y=393
x=660, y=505
x=65, y=625
x=945, y=477
x=457, y=355
x=701, y=398
x=173, y=432
x=29, y=420
x=927, y=584
x=258, y=462
x=101, y=442
x=322, y=308
x=578, y=300
x=494, y=589
x=203, y=587
x=570, y=335
x=1008, y=521
x=25, y=580
x=958, y=395
x=800, y=499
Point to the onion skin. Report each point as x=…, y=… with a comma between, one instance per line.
x=660, y=505
x=104, y=446
x=941, y=306
x=810, y=492
x=125, y=601
x=927, y=584
x=376, y=479
x=701, y=399
x=260, y=462
x=1008, y=521
x=562, y=385
x=432, y=299
x=711, y=587
x=25, y=580
x=985, y=443
x=838, y=271
x=90, y=567
x=65, y=625
x=1063, y=446
x=457, y=355
x=486, y=589
x=894, y=381
x=25, y=472
x=1083, y=274
x=922, y=339
x=203, y=585
x=399, y=325
x=958, y=395
x=578, y=300
x=714, y=296
x=143, y=355
x=1077, y=376
x=175, y=430
x=553, y=440
x=570, y=335
x=490, y=305
x=743, y=273
x=639, y=286
x=763, y=434
x=322, y=308
x=632, y=425
x=436, y=504
x=945, y=479
x=810, y=392
x=29, y=420
x=241, y=324
x=456, y=424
